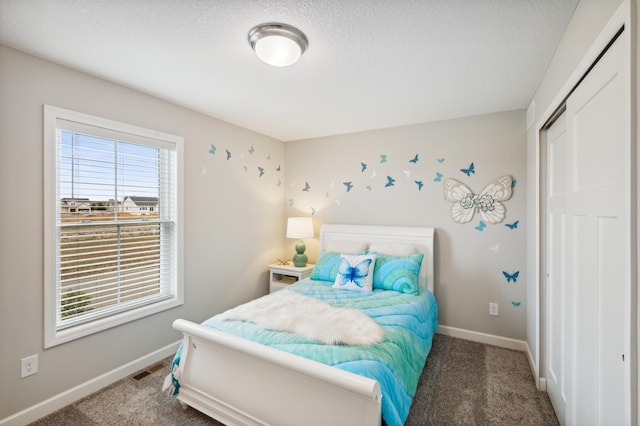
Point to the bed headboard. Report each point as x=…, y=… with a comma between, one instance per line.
x=416, y=239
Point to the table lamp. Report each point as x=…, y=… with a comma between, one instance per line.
x=300, y=227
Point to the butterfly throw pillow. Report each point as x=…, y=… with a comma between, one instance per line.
x=355, y=272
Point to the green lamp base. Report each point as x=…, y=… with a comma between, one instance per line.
x=300, y=259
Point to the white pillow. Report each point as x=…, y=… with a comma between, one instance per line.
x=394, y=249
x=356, y=272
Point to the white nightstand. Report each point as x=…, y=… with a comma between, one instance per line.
x=282, y=275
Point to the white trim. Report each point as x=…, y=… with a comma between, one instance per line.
x=489, y=339
x=534, y=370
x=76, y=393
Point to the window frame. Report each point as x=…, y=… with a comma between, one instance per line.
x=52, y=334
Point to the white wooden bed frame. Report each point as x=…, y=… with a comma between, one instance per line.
x=240, y=382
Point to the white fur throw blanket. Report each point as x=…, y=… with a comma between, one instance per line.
x=310, y=318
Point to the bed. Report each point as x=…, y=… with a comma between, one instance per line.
x=240, y=373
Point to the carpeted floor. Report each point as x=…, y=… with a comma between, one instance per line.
x=463, y=383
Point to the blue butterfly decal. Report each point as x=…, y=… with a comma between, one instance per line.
x=363, y=166
x=441, y=160
x=251, y=150
x=516, y=304
x=228, y=154
x=469, y=170
x=513, y=183
x=306, y=187
x=513, y=225
x=368, y=187
x=383, y=158
x=438, y=177
x=278, y=169
x=261, y=171
x=414, y=160
x=420, y=184
x=349, y=185
x=390, y=182
x=357, y=274
x=212, y=150
x=511, y=277
x=481, y=226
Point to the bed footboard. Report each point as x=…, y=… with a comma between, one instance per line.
x=240, y=382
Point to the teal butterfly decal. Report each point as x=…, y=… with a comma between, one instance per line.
x=356, y=274
x=438, y=177
x=414, y=160
x=441, y=160
x=212, y=150
x=383, y=158
x=420, y=184
x=228, y=154
x=516, y=304
x=306, y=187
x=481, y=226
x=261, y=171
x=278, y=169
x=468, y=171
x=513, y=225
x=349, y=185
x=511, y=277
x=390, y=182
x=252, y=150
x=363, y=166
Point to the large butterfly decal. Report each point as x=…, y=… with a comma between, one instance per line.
x=356, y=274
x=487, y=203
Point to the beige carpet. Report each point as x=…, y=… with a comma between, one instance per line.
x=463, y=383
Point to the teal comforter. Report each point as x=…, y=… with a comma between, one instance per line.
x=409, y=322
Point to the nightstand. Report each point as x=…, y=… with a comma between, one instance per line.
x=281, y=276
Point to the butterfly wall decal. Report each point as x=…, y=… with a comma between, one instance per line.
x=441, y=160
x=481, y=226
x=513, y=225
x=349, y=185
x=414, y=160
x=261, y=171
x=228, y=154
x=350, y=274
x=511, y=277
x=420, y=184
x=469, y=170
x=383, y=158
x=252, y=150
x=438, y=177
x=487, y=203
x=363, y=166
x=390, y=182
x=212, y=150
x=516, y=304
x=306, y=187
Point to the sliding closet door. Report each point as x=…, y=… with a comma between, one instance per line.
x=589, y=249
x=558, y=277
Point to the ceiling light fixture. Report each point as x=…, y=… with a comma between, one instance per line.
x=277, y=44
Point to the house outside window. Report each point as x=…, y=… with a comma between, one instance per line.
x=113, y=229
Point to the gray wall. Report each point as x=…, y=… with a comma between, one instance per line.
x=468, y=272
x=233, y=223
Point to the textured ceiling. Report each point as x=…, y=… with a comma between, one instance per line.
x=370, y=64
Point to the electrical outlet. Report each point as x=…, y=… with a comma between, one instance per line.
x=29, y=366
x=493, y=309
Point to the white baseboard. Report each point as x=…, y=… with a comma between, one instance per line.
x=489, y=339
x=72, y=395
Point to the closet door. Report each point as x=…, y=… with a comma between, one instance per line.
x=589, y=250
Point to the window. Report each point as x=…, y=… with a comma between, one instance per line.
x=113, y=233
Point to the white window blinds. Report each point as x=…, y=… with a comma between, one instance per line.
x=115, y=237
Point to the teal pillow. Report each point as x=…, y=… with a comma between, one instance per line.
x=399, y=273
x=326, y=267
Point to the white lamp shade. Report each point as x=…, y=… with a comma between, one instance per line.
x=299, y=227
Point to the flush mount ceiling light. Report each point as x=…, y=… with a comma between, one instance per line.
x=277, y=44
